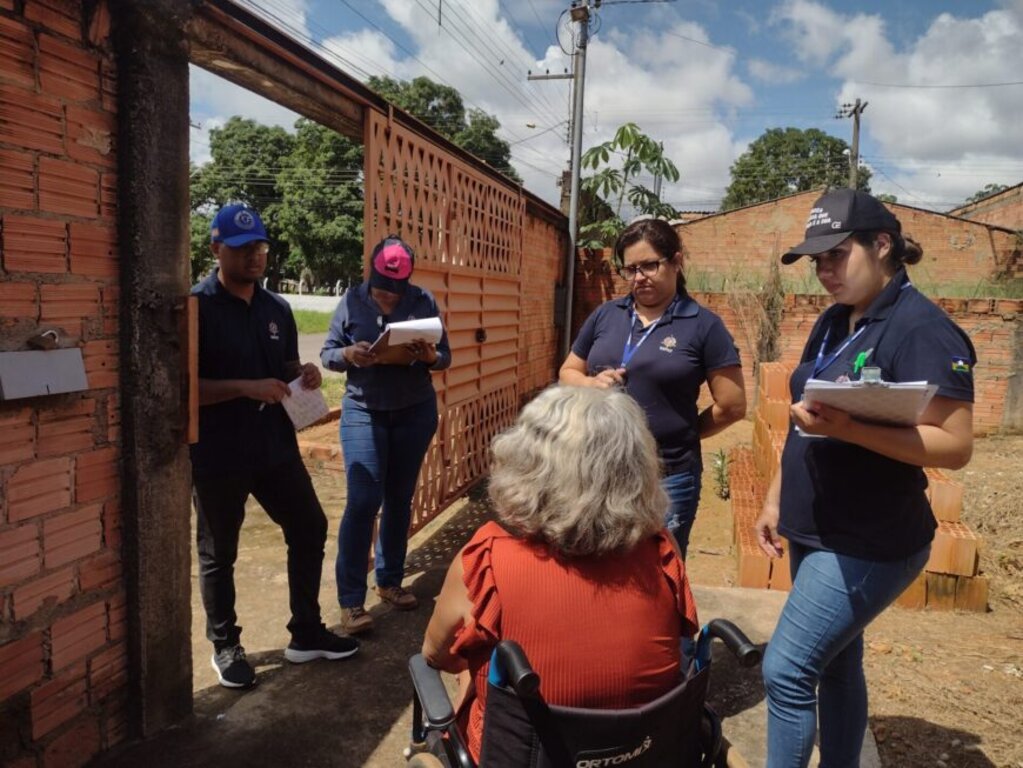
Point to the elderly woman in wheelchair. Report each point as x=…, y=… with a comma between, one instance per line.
x=566, y=617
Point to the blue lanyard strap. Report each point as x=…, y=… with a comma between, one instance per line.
x=630, y=349
x=822, y=363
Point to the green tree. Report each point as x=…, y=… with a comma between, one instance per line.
x=989, y=189
x=886, y=198
x=321, y=207
x=246, y=158
x=788, y=160
x=441, y=107
x=615, y=182
x=200, y=255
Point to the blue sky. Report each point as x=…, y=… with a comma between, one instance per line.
x=704, y=77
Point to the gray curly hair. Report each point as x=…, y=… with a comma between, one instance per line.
x=579, y=470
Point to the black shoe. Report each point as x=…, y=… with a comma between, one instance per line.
x=233, y=671
x=323, y=645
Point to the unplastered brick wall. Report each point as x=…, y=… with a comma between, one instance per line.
x=63, y=657
x=1003, y=210
x=994, y=326
x=542, y=249
x=739, y=245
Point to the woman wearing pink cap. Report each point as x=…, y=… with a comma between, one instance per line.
x=388, y=418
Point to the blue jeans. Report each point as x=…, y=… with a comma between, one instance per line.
x=814, y=662
x=383, y=451
x=683, y=491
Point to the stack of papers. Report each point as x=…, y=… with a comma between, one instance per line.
x=388, y=346
x=884, y=402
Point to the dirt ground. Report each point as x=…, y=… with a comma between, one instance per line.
x=946, y=689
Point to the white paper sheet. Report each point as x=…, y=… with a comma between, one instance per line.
x=304, y=406
x=428, y=329
x=898, y=403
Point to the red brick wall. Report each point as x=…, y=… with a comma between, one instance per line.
x=993, y=325
x=739, y=246
x=543, y=247
x=1002, y=210
x=63, y=659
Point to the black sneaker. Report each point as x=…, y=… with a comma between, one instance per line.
x=324, y=645
x=233, y=671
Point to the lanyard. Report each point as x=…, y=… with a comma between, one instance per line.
x=630, y=349
x=822, y=363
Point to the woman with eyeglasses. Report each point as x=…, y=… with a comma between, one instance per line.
x=850, y=495
x=660, y=345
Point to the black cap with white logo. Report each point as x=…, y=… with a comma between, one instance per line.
x=835, y=216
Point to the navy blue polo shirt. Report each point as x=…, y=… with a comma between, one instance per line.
x=239, y=340
x=665, y=372
x=382, y=387
x=841, y=497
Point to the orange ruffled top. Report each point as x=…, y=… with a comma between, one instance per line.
x=602, y=632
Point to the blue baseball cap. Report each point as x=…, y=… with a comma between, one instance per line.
x=237, y=224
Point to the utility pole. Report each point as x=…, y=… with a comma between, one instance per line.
x=854, y=111
x=579, y=12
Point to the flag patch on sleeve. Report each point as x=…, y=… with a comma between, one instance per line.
x=960, y=365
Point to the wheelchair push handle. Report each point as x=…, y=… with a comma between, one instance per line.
x=735, y=640
x=513, y=669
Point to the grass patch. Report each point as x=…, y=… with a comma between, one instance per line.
x=333, y=389
x=309, y=321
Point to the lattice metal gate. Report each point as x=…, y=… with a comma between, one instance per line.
x=467, y=230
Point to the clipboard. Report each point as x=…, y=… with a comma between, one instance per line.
x=389, y=345
x=882, y=402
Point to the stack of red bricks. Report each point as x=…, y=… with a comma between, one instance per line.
x=950, y=579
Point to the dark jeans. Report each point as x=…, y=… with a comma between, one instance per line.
x=287, y=495
x=383, y=452
x=683, y=491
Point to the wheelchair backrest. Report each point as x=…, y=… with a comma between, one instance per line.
x=526, y=732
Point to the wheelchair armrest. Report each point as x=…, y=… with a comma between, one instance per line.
x=430, y=690
x=736, y=641
x=516, y=669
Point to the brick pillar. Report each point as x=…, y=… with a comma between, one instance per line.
x=152, y=59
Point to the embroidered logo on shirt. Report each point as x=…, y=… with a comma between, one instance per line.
x=668, y=344
x=274, y=331
x=960, y=365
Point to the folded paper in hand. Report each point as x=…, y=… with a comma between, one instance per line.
x=304, y=406
x=428, y=329
x=884, y=402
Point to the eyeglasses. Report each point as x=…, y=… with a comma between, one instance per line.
x=648, y=268
x=250, y=250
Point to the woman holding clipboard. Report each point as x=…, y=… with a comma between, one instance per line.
x=852, y=505
x=660, y=345
x=388, y=418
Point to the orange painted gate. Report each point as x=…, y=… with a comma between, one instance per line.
x=467, y=231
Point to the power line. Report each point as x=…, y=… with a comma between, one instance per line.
x=961, y=85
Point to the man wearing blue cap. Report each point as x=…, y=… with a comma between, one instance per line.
x=248, y=351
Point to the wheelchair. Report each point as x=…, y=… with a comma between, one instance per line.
x=521, y=730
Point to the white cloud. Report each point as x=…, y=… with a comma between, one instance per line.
x=214, y=100
x=773, y=74
x=676, y=91
x=936, y=145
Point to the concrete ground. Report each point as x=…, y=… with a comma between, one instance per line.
x=357, y=712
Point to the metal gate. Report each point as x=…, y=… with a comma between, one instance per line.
x=467, y=231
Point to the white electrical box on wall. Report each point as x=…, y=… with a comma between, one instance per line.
x=41, y=372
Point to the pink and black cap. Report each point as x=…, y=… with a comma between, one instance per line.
x=391, y=265
x=835, y=216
